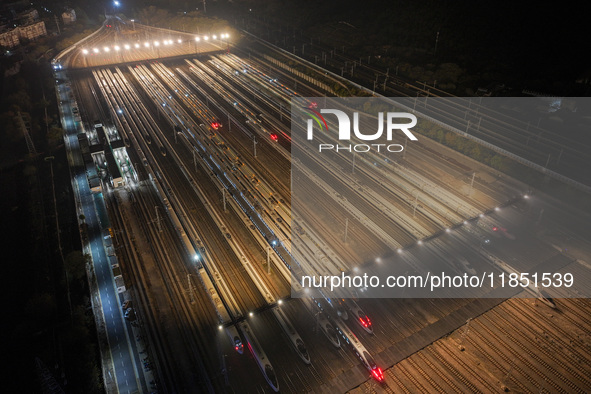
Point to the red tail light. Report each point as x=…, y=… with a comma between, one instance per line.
x=378, y=374
x=495, y=228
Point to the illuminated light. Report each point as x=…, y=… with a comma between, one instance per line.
x=106, y=49
x=274, y=137
x=220, y=327
x=420, y=242
x=147, y=44
x=205, y=38
x=481, y=215
x=465, y=222
x=356, y=269
x=525, y=196
x=156, y=43
x=197, y=39
x=378, y=260
x=495, y=228
x=196, y=257
x=214, y=37
x=85, y=51
x=279, y=302
x=447, y=230
x=165, y=42
x=250, y=314
x=179, y=40
x=95, y=50
x=117, y=47
x=126, y=46
x=137, y=45
x=497, y=209
x=399, y=250
x=116, y=3
x=378, y=374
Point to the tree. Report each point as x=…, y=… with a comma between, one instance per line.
x=55, y=136
x=75, y=264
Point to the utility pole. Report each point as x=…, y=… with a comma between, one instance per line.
x=254, y=146
x=57, y=24
x=268, y=260
x=464, y=333
x=346, y=229
x=57, y=227
x=436, y=41
x=224, y=198
x=158, y=219
x=404, y=149
x=204, y=7
x=472, y=183
x=353, y=166
x=414, y=211
x=191, y=298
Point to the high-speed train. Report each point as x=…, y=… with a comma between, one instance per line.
x=259, y=354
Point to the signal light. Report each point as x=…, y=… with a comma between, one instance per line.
x=495, y=228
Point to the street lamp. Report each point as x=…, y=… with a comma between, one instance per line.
x=133, y=24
